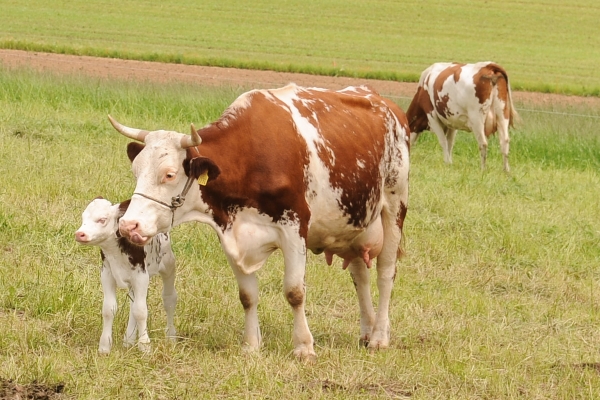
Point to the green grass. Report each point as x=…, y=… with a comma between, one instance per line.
x=497, y=297
x=548, y=46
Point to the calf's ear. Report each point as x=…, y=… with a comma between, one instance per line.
x=133, y=149
x=200, y=166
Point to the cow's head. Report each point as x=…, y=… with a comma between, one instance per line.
x=161, y=167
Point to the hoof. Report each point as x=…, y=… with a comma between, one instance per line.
x=305, y=355
x=144, y=347
x=373, y=345
x=248, y=349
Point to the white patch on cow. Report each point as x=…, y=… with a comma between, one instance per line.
x=317, y=174
x=241, y=103
x=253, y=236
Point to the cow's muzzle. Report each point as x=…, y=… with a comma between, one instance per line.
x=130, y=231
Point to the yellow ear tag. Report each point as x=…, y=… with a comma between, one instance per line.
x=203, y=179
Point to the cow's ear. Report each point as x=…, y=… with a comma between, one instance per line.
x=203, y=167
x=133, y=149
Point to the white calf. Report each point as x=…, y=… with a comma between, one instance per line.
x=128, y=266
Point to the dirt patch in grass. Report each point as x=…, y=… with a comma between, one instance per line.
x=162, y=72
x=10, y=390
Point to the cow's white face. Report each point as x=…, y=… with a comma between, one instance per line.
x=98, y=223
x=159, y=174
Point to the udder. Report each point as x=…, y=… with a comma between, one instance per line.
x=366, y=245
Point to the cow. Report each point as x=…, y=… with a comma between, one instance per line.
x=294, y=169
x=469, y=97
x=128, y=266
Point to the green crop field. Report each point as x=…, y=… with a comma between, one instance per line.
x=497, y=297
x=550, y=45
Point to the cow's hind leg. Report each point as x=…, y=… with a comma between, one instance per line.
x=392, y=218
x=504, y=140
x=360, y=277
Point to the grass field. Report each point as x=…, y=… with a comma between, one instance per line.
x=549, y=45
x=497, y=297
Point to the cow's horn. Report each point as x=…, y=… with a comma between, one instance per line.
x=135, y=134
x=193, y=140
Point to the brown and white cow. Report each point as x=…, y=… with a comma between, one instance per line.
x=469, y=97
x=294, y=169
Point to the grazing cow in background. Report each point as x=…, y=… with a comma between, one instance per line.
x=129, y=266
x=295, y=169
x=469, y=97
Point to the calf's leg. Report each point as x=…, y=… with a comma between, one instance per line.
x=169, y=295
x=109, y=309
x=139, y=309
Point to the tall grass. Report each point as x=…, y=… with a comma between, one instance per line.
x=496, y=298
x=545, y=46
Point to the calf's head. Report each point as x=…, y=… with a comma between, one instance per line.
x=161, y=167
x=99, y=222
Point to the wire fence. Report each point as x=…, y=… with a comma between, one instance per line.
x=532, y=110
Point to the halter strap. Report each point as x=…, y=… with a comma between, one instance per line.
x=176, y=201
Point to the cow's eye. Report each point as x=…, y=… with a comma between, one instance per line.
x=101, y=221
x=170, y=176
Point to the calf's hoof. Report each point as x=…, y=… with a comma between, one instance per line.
x=144, y=347
x=305, y=354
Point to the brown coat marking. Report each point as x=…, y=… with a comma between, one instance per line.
x=441, y=103
x=135, y=253
x=295, y=297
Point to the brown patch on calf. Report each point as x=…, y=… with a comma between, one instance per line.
x=295, y=297
x=135, y=253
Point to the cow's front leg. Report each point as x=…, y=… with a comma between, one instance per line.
x=248, y=292
x=440, y=131
x=295, y=293
x=360, y=277
x=109, y=309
